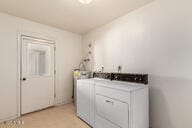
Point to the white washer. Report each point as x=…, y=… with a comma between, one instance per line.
x=86, y=99
x=121, y=105
x=78, y=75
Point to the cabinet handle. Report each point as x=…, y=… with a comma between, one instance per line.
x=108, y=101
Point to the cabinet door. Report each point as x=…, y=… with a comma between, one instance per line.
x=85, y=101
x=112, y=110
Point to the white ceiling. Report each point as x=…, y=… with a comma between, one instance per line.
x=70, y=15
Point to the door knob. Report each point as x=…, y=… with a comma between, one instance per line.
x=24, y=79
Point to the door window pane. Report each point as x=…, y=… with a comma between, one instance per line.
x=39, y=60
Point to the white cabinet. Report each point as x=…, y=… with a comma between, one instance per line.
x=85, y=100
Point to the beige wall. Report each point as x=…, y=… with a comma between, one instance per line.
x=68, y=55
x=155, y=39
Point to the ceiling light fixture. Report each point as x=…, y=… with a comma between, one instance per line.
x=85, y=1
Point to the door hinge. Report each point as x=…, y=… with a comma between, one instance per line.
x=54, y=95
x=54, y=71
x=55, y=48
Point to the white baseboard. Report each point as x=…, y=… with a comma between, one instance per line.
x=58, y=104
x=65, y=102
x=9, y=118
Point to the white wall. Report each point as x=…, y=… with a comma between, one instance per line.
x=68, y=55
x=155, y=39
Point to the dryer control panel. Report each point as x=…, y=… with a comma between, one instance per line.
x=128, y=77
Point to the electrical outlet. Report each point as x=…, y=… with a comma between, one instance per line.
x=119, y=69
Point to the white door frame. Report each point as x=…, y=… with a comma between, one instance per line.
x=19, y=64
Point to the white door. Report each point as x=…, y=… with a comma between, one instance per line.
x=37, y=86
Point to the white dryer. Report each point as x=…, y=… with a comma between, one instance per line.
x=121, y=104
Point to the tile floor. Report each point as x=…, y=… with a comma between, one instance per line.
x=57, y=117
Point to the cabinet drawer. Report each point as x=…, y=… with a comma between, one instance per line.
x=112, y=110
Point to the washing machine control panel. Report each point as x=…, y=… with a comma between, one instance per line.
x=102, y=75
